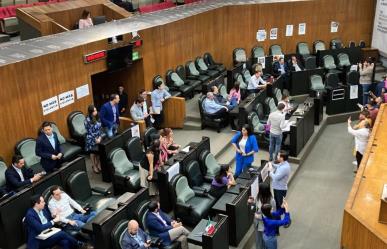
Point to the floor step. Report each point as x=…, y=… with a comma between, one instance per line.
x=193, y=118
x=192, y=125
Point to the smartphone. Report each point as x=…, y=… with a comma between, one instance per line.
x=43, y=173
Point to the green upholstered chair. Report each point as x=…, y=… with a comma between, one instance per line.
x=175, y=83
x=203, y=68
x=209, y=60
x=173, y=92
x=318, y=46
x=26, y=148
x=69, y=148
x=76, y=124
x=196, y=84
x=239, y=56
x=257, y=52
x=275, y=50
x=316, y=83
x=193, y=73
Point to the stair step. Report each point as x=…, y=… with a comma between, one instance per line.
x=192, y=125
x=193, y=118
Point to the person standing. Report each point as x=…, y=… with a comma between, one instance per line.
x=148, y=173
x=110, y=115
x=279, y=174
x=18, y=176
x=361, y=135
x=245, y=145
x=123, y=104
x=93, y=137
x=366, y=71
x=48, y=148
x=277, y=123
x=158, y=96
x=272, y=221
x=264, y=197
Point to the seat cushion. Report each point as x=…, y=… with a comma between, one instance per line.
x=193, y=83
x=200, y=206
x=99, y=202
x=134, y=178
x=183, y=191
x=70, y=151
x=212, y=73
x=185, y=88
x=204, y=78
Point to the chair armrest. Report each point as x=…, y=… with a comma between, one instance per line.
x=183, y=209
x=192, y=77
x=208, y=179
x=102, y=191
x=201, y=194
x=199, y=191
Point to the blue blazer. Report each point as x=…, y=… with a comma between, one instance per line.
x=157, y=228
x=107, y=116
x=276, y=68
x=13, y=180
x=34, y=226
x=251, y=145
x=128, y=242
x=45, y=151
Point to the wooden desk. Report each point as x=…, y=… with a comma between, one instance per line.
x=361, y=228
x=370, y=52
x=174, y=112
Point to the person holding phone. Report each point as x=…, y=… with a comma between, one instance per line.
x=135, y=237
x=361, y=135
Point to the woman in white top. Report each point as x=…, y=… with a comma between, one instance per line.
x=361, y=139
x=285, y=101
x=85, y=20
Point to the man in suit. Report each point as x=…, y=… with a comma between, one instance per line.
x=38, y=219
x=135, y=238
x=123, y=104
x=110, y=115
x=162, y=226
x=280, y=67
x=17, y=176
x=48, y=148
x=295, y=65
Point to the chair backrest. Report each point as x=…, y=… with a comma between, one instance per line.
x=303, y=48
x=55, y=128
x=332, y=80
x=238, y=77
x=316, y=82
x=246, y=75
x=120, y=162
x=118, y=233
x=343, y=59
x=176, y=79
x=259, y=110
x=353, y=77
x=26, y=148
x=200, y=101
x=134, y=149
x=275, y=50
x=270, y=104
x=79, y=185
x=180, y=70
x=352, y=44
x=318, y=45
x=99, y=20
x=212, y=166
x=362, y=44
x=194, y=174
x=257, y=52
x=278, y=94
x=208, y=59
x=3, y=168
x=76, y=124
x=255, y=123
x=329, y=62
x=156, y=79
x=149, y=135
x=223, y=90
x=239, y=55
x=310, y=62
x=183, y=192
x=201, y=64
x=192, y=68
x=336, y=43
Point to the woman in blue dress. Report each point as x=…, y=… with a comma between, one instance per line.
x=93, y=137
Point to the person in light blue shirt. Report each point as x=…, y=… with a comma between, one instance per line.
x=211, y=107
x=279, y=173
x=158, y=96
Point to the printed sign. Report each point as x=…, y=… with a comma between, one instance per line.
x=273, y=33
x=82, y=91
x=50, y=105
x=66, y=98
x=289, y=30
x=302, y=29
x=261, y=35
x=334, y=27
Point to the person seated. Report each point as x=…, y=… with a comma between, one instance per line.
x=161, y=225
x=222, y=181
x=376, y=100
x=256, y=83
x=85, y=20
x=212, y=108
x=167, y=144
x=295, y=65
x=285, y=100
x=280, y=67
x=38, y=219
x=63, y=206
x=219, y=99
x=18, y=176
x=137, y=111
x=235, y=93
x=382, y=84
x=135, y=238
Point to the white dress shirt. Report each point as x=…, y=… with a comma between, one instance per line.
x=19, y=172
x=255, y=82
x=361, y=138
x=64, y=207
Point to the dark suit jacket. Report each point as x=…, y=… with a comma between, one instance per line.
x=276, y=68
x=13, y=180
x=107, y=116
x=34, y=226
x=157, y=228
x=128, y=242
x=45, y=151
x=123, y=101
x=293, y=69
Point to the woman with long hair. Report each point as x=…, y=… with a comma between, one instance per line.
x=245, y=145
x=156, y=159
x=167, y=143
x=85, y=20
x=264, y=197
x=235, y=93
x=222, y=181
x=272, y=220
x=93, y=137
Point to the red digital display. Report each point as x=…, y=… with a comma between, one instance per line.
x=138, y=43
x=94, y=56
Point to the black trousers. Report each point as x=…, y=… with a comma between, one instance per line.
x=359, y=156
x=279, y=197
x=159, y=118
x=219, y=114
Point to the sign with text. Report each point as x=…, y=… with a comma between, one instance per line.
x=50, y=105
x=66, y=98
x=379, y=36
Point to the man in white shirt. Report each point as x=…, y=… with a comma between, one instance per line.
x=277, y=123
x=256, y=83
x=63, y=205
x=361, y=138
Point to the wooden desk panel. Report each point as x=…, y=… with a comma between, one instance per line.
x=361, y=228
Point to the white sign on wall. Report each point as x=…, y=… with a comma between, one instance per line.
x=334, y=27
x=289, y=30
x=50, y=105
x=273, y=33
x=82, y=91
x=379, y=36
x=261, y=35
x=301, y=28
x=66, y=98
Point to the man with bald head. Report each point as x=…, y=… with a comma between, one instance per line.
x=213, y=108
x=135, y=238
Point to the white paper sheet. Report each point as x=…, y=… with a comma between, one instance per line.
x=82, y=91
x=289, y=30
x=334, y=27
x=301, y=28
x=66, y=98
x=353, y=92
x=261, y=35
x=173, y=170
x=50, y=105
x=135, y=131
x=273, y=33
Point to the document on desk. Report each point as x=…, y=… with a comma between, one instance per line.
x=186, y=149
x=265, y=172
x=48, y=233
x=173, y=170
x=288, y=124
